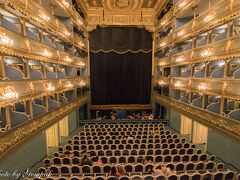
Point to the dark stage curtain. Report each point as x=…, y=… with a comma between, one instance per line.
x=120, y=40
x=120, y=63
x=120, y=78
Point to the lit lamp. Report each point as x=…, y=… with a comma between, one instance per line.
x=44, y=16
x=8, y=92
x=180, y=33
x=46, y=53
x=49, y=87
x=81, y=63
x=161, y=82
x=82, y=83
x=179, y=59
x=203, y=86
x=206, y=52
x=68, y=84
x=5, y=40
x=182, y=4
x=68, y=59
x=178, y=84
x=65, y=3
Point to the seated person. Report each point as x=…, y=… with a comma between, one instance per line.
x=141, y=160
x=86, y=161
x=68, y=153
x=148, y=159
x=114, y=172
x=97, y=161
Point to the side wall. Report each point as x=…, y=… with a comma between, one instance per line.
x=25, y=156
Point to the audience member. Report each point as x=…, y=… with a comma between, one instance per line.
x=97, y=161
x=68, y=153
x=86, y=161
x=114, y=172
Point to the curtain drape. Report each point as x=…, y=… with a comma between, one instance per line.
x=52, y=136
x=186, y=125
x=120, y=78
x=120, y=40
x=63, y=126
x=200, y=133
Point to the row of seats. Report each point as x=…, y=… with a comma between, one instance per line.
x=218, y=175
x=129, y=146
x=132, y=159
x=127, y=138
x=125, y=132
x=124, y=129
x=123, y=125
x=130, y=141
x=67, y=170
x=119, y=137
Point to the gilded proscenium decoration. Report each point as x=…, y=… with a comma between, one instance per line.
x=122, y=12
x=221, y=123
x=17, y=135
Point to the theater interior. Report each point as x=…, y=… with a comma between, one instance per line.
x=119, y=90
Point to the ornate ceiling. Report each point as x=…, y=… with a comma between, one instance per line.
x=121, y=12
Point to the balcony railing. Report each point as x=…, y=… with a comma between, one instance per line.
x=38, y=88
x=225, y=49
x=224, y=124
x=30, y=49
x=224, y=87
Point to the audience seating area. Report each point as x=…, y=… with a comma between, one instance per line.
x=126, y=145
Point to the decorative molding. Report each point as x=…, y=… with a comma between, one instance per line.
x=223, y=124
x=32, y=89
x=223, y=50
x=30, y=49
x=23, y=132
x=126, y=20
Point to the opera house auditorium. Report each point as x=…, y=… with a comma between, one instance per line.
x=119, y=89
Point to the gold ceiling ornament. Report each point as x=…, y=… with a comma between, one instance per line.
x=121, y=3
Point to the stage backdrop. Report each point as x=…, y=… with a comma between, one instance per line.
x=120, y=65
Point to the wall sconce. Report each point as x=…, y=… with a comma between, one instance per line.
x=44, y=16
x=46, y=53
x=180, y=33
x=82, y=83
x=68, y=59
x=162, y=64
x=80, y=22
x=81, y=44
x=179, y=59
x=206, y=52
x=182, y=4
x=68, y=84
x=48, y=86
x=209, y=17
x=163, y=22
x=5, y=40
x=81, y=63
x=203, y=86
x=162, y=44
x=161, y=82
x=8, y=92
x=65, y=3
x=178, y=84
